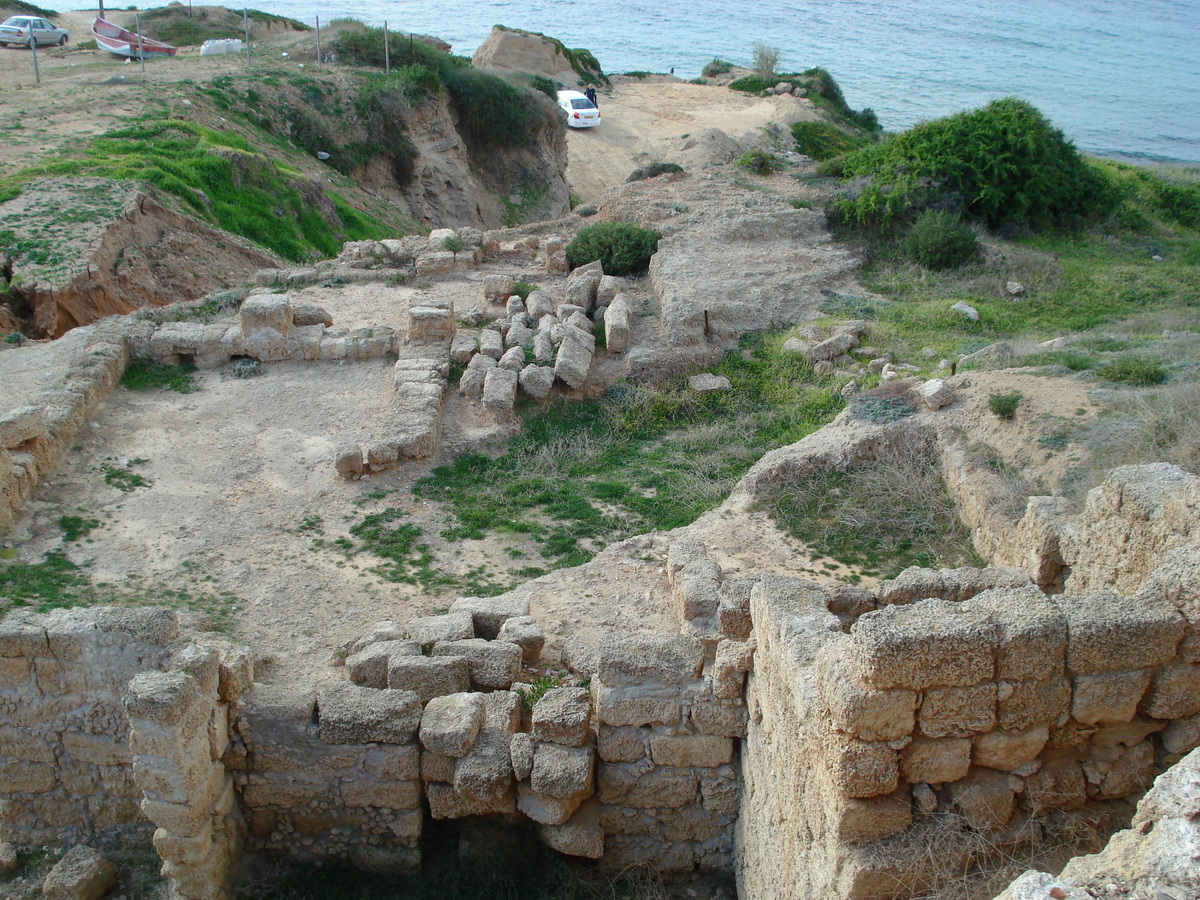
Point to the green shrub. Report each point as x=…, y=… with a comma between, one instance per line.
x=1136, y=370
x=825, y=93
x=766, y=60
x=716, y=67
x=586, y=210
x=545, y=85
x=757, y=161
x=751, y=84
x=1004, y=405
x=941, y=240
x=1002, y=163
x=621, y=247
x=885, y=404
x=523, y=289
x=821, y=140
x=653, y=171
x=490, y=108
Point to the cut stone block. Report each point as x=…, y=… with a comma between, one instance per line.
x=493, y=665
x=935, y=761
x=1057, y=785
x=520, y=749
x=452, y=722
x=861, y=768
x=1009, y=750
x=489, y=613
x=640, y=659
x=545, y=809
x=563, y=716
x=702, y=750
x=350, y=714
x=562, y=772
x=1111, y=697
x=429, y=630
x=1110, y=633
x=500, y=390
x=1031, y=631
x=958, y=712
x=82, y=874
x=369, y=666
x=429, y=677
x=581, y=836
x=536, y=381
x=526, y=633
x=1024, y=704
x=866, y=713
x=573, y=362
x=986, y=799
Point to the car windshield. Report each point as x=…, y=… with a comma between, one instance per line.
x=18, y=23
x=581, y=103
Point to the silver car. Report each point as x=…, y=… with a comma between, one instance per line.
x=25, y=31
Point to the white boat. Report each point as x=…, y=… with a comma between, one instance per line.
x=123, y=42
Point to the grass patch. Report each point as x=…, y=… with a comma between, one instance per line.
x=537, y=689
x=585, y=474
x=885, y=404
x=757, y=162
x=76, y=527
x=122, y=476
x=143, y=375
x=878, y=518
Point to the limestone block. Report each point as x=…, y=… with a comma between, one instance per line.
x=1070, y=736
x=631, y=660
x=500, y=390
x=513, y=359
x=386, y=630
x=503, y=711
x=14, y=673
x=445, y=802
x=580, y=836
x=1111, y=697
x=1057, y=785
x=1126, y=734
x=862, y=768
x=958, y=712
x=393, y=762
x=1116, y=772
x=692, y=823
x=573, y=362
x=491, y=343
x=618, y=325
x=350, y=714
x=1023, y=704
x=493, y=665
x=436, y=767
x=497, y=288
x=470, y=383
x=563, y=716
x=632, y=706
x=369, y=667
x=725, y=718
x=705, y=751
x=24, y=744
x=1033, y=885
x=539, y=304
x=1174, y=693
x=1009, y=750
x=429, y=630
x=82, y=874
x=831, y=347
x=733, y=612
x=544, y=808
x=582, y=285
x=1110, y=633
x=20, y=425
x=858, y=821
x=623, y=743
x=607, y=290
x=543, y=349
x=514, y=308
x=733, y=660
x=520, y=750
x=430, y=324
x=642, y=786
x=381, y=795
x=935, y=761
x=536, y=381
x=935, y=393
x=260, y=311
x=486, y=772
x=562, y=772
x=870, y=714
x=924, y=645
x=462, y=348
x=452, y=722
x=27, y=777
x=1181, y=736
x=526, y=633
x=348, y=459
x=427, y=677
x=519, y=337
x=489, y=613
x=721, y=790
x=1032, y=632
x=163, y=698
x=8, y=857
x=985, y=798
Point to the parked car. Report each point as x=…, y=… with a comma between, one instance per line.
x=581, y=112
x=28, y=30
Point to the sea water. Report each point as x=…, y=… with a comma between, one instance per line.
x=1119, y=77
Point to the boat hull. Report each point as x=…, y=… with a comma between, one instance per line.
x=124, y=43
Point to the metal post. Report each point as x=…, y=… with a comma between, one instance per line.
x=37, y=76
x=137, y=23
x=246, y=27
x=318, y=42
x=387, y=58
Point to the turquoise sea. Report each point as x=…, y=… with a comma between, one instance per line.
x=1119, y=77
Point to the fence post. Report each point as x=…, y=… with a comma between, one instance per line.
x=137, y=23
x=387, y=57
x=318, y=42
x=246, y=28
x=37, y=76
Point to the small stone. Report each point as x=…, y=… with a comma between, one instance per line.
x=706, y=382
x=967, y=310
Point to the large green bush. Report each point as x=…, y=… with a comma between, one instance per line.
x=1002, y=163
x=821, y=140
x=621, y=247
x=491, y=108
x=941, y=240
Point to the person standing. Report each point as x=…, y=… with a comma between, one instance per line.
x=590, y=93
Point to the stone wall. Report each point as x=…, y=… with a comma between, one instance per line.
x=66, y=767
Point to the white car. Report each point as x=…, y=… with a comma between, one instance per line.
x=25, y=31
x=581, y=112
